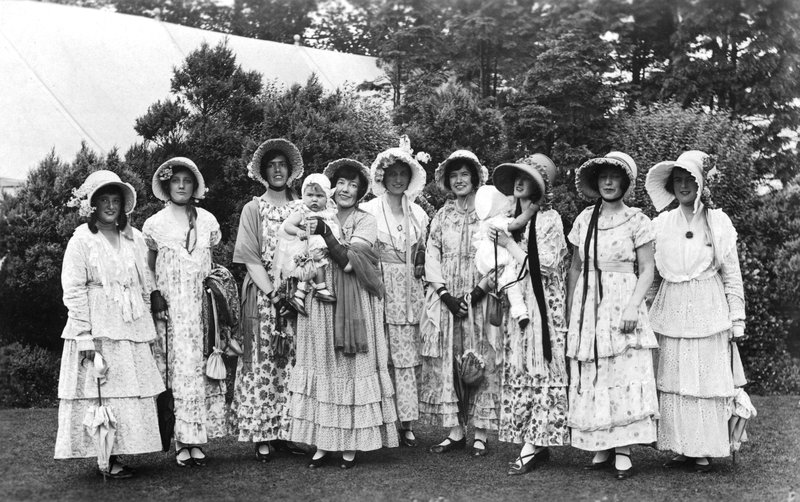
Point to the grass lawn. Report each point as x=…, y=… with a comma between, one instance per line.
x=767, y=469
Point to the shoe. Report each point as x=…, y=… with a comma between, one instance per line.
x=198, y=461
x=297, y=304
x=677, y=463
x=263, y=457
x=348, y=464
x=324, y=295
x=703, y=468
x=451, y=444
x=479, y=452
x=186, y=462
x=316, y=463
x=520, y=467
x=597, y=466
x=114, y=460
x=411, y=441
x=620, y=474
x=123, y=473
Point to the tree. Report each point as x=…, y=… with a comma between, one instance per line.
x=276, y=20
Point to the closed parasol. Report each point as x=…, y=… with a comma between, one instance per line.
x=100, y=420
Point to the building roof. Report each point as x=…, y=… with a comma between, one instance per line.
x=71, y=74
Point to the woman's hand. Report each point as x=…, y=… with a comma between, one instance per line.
x=311, y=226
x=457, y=306
x=86, y=355
x=499, y=235
x=630, y=317
x=531, y=210
x=158, y=305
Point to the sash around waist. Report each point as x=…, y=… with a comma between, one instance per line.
x=625, y=267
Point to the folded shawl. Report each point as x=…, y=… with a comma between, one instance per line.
x=350, y=319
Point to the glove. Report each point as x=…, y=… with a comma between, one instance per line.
x=453, y=304
x=322, y=228
x=284, y=308
x=157, y=302
x=477, y=295
x=338, y=253
x=419, y=263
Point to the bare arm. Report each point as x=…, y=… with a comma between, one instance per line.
x=644, y=258
x=290, y=225
x=520, y=221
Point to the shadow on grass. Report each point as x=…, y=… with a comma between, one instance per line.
x=767, y=469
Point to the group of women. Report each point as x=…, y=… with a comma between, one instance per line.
x=403, y=313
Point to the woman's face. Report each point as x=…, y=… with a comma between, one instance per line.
x=276, y=171
x=609, y=182
x=523, y=186
x=181, y=186
x=396, y=178
x=461, y=181
x=685, y=186
x=108, y=207
x=346, y=194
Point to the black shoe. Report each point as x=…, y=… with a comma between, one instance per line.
x=290, y=447
x=198, y=461
x=316, y=463
x=703, y=468
x=297, y=304
x=348, y=464
x=186, y=462
x=597, y=466
x=405, y=440
x=520, y=467
x=263, y=457
x=479, y=452
x=450, y=445
x=123, y=473
x=619, y=473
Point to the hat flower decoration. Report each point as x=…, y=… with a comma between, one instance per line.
x=404, y=154
x=82, y=196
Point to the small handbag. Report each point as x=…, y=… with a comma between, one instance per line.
x=471, y=366
x=215, y=366
x=281, y=341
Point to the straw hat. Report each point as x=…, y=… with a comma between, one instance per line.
x=82, y=196
x=284, y=146
x=332, y=170
x=657, y=176
x=471, y=160
x=586, y=176
x=164, y=173
x=538, y=166
x=403, y=154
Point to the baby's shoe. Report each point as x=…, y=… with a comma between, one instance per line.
x=323, y=293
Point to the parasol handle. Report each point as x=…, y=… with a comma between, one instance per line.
x=496, y=280
x=99, y=397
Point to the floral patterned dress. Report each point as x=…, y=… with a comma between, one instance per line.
x=534, y=406
x=450, y=260
x=108, y=310
x=698, y=303
x=260, y=408
x=342, y=402
x=403, y=301
x=613, y=399
x=199, y=401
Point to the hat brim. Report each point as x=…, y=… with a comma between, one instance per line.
x=158, y=190
x=588, y=171
x=388, y=157
x=332, y=169
x=128, y=192
x=287, y=148
x=656, y=182
x=461, y=155
x=504, y=176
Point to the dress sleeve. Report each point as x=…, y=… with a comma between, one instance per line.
x=643, y=231
x=365, y=228
x=74, y=282
x=433, y=251
x=247, y=248
x=147, y=233
x=216, y=234
x=732, y=274
x=575, y=233
x=551, y=243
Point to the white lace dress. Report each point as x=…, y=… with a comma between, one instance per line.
x=199, y=401
x=698, y=302
x=108, y=311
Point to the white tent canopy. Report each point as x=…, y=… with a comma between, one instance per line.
x=69, y=74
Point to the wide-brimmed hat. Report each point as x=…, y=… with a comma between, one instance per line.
x=332, y=170
x=164, y=173
x=82, y=196
x=403, y=154
x=284, y=146
x=586, y=176
x=538, y=166
x=658, y=175
x=471, y=160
